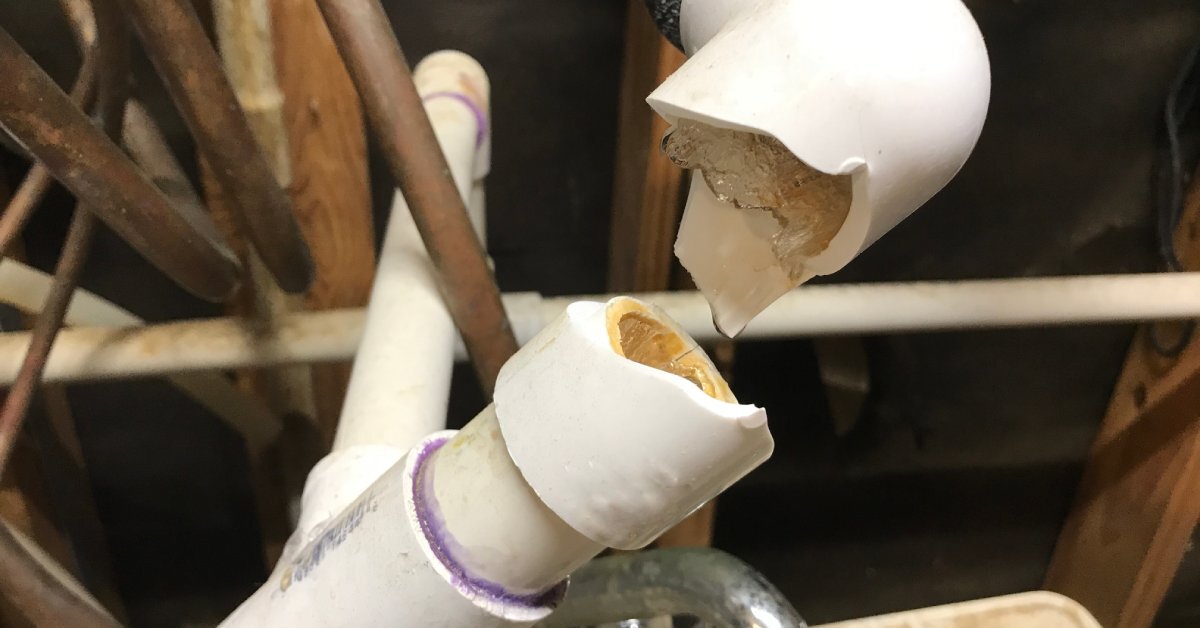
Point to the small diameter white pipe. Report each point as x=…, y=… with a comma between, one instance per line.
x=400, y=382
x=477, y=528
x=26, y=288
x=91, y=353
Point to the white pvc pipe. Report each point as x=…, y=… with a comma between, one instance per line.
x=480, y=527
x=90, y=353
x=400, y=383
x=501, y=530
x=26, y=288
x=889, y=308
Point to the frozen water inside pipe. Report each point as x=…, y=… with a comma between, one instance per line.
x=756, y=173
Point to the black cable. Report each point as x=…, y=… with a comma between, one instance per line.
x=1174, y=164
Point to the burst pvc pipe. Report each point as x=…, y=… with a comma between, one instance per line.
x=118, y=351
x=577, y=453
x=408, y=329
x=887, y=98
x=483, y=526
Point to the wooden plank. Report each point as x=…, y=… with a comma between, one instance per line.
x=247, y=49
x=46, y=493
x=647, y=187
x=1139, y=499
x=70, y=491
x=25, y=504
x=330, y=189
x=648, y=201
x=308, y=118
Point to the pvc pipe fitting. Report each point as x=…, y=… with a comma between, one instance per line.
x=609, y=427
x=378, y=564
x=408, y=332
x=891, y=94
x=643, y=432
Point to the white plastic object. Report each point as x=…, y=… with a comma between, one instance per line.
x=26, y=288
x=1036, y=609
x=893, y=94
x=471, y=529
x=633, y=449
x=376, y=565
x=495, y=526
x=400, y=382
x=98, y=353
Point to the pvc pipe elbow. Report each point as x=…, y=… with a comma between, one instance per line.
x=621, y=425
x=453, y=76
x=891, y=94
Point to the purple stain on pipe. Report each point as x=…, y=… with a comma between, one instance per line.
x=481, y=120
x=440, y=541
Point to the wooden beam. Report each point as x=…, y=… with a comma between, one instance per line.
x=47, y=495
x=70, y=491
x=648, y=199
x=307, y=116
x=1139, y=499
x=647, y=187
x=25, y=504
x=330, y=189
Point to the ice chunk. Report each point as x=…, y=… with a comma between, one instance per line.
x=756, y=172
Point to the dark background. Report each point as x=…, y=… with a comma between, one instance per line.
x=953, y=483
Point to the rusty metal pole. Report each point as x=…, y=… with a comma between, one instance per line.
x=37, y=181
x=189, y=66
x=380, y=72
x=31, y=583
x=104, y=179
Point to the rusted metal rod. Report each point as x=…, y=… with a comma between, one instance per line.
x=41, y=590
x=191, y=70
x=104, y=179
x=20, y=208
x=380, y=72
x=45, y=328
x=37, y=587
x=111, y=55
x=37, y=181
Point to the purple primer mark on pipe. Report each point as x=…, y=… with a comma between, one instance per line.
x=439, y=540
x=481, y=121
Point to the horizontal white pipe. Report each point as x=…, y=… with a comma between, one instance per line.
x=883, y=308
x=90, y=353
x=26, y=288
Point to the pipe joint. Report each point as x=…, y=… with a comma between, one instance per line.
x=643, y=429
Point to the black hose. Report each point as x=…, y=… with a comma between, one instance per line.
x=666, y=16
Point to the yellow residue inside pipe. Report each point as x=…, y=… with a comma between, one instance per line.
x=640, y=333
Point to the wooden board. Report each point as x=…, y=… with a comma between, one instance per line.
x=648, y=199
x=329, y=188
x=325, y=172
x=70, y=491
x=647, y=187
x=46, y=493
x=1139, y=499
